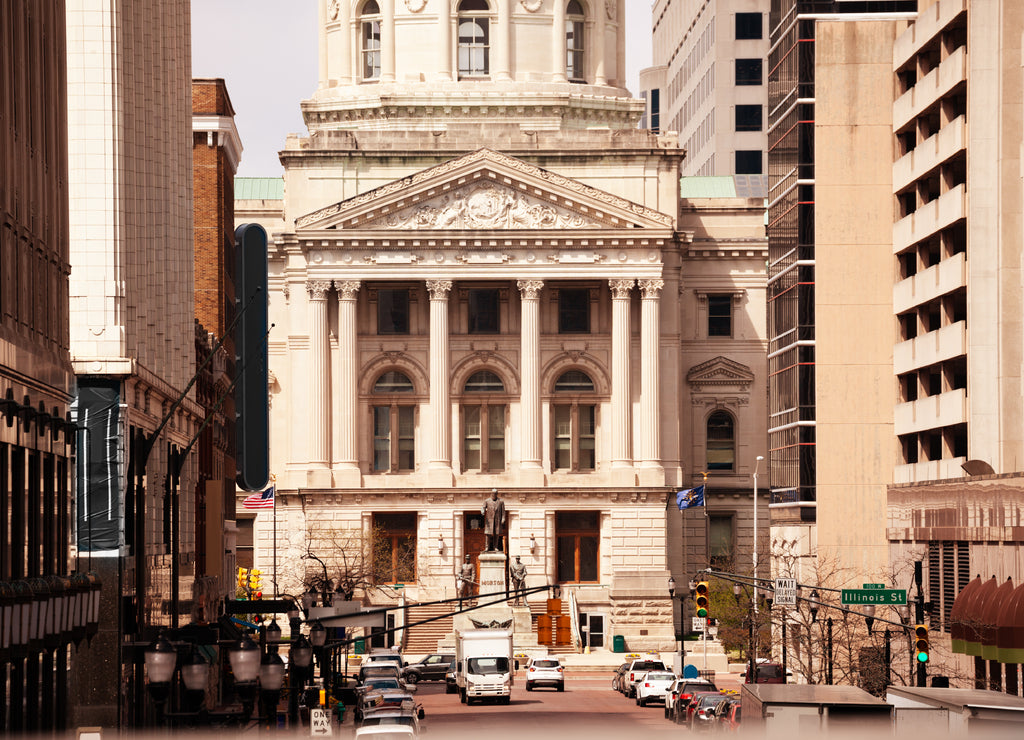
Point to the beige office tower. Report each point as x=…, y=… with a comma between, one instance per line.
x=957, y=492
x=478, y=282
x=708, y=83
x=830, y=267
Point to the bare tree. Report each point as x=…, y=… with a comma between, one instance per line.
x=352, y=563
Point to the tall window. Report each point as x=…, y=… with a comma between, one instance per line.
x=578, y=534
x=394, y=547
x=369, y=23
x=393, y=311
x=574, y=423
x=748, y=118
x=721, y=442
x=484, y=304
x=394, y=424
x=483, y=423
x=474, y=39
x=720, y=529
x=719, y=316
x=573, y=311
x=574, y=56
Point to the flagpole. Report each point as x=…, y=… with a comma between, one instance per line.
x=707, y=557
x=273, y=482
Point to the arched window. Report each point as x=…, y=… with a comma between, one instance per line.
x=573, y=423
x=394, y=424
x=721, y=441
x=483, y=423
x=474, y=38
x=369, y=39
x=574, y=48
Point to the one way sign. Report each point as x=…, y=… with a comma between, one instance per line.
x=319, y=723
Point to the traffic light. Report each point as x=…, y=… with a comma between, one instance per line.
x=921, y=643
x=703, y=603
x=243, y=578
x=255, y=583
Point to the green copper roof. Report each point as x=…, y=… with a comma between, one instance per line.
x=725, y=186
x=259, y=188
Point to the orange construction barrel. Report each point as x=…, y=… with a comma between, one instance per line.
x=562, y=633
x=544, y=629
x=554, y=606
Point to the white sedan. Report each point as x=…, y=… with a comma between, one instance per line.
x=654, y=686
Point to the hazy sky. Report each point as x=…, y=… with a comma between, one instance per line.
x=266, y=51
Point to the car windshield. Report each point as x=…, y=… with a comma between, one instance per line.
x=769, y=671
x=658, y=676
x=389, y=720
x=487, y=666
x=381, y=682
x=545, y=664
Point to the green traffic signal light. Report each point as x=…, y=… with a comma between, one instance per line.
x=921, y=642
x=701, y=600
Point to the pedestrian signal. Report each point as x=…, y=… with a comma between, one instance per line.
x=921, y=646
x=703, y=603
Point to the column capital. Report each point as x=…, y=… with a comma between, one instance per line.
x=347, y=289
x=530, y=289
x=439, y=289
x=317, y=289
x=651, y=288
x=621, y=288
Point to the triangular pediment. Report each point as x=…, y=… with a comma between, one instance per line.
x=485, y=190
x=720, y=372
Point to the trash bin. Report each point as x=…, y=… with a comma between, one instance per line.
x=544, y=629
x=360, y=647
x=618, y=643
x=563, y=635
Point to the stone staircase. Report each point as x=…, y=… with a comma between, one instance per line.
x=423, y=639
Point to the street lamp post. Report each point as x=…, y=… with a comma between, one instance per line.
x=682, y=618
x=757, y=464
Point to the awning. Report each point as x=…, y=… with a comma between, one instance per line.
x=1010, y=629
x=987, y=621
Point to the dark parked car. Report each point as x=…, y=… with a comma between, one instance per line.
x=431, y=668
x=767, y=673
x=683, y=692
x=706, y=712
x=450, y=686
x=688, y=708
x=617, y=681
x=731, y=721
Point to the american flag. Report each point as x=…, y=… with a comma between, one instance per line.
x=264, y=500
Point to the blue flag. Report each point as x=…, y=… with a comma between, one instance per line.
x=690, y=498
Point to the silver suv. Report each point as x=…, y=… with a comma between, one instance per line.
x=546, y=671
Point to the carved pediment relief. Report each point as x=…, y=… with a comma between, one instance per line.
x=485, y=205
x=720, y=373
x=485, y=190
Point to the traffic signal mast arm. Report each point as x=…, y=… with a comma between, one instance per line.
x=749, y=581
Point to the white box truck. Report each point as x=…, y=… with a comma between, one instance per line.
x=484, y=667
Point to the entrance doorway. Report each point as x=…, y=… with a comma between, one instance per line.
x=592, y=629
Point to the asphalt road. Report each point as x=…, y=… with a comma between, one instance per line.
x=588, y=708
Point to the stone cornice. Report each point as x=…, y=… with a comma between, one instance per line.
x=227, y=135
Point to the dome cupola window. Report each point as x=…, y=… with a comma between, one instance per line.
x=369, y=40
x=575, y=70
x=474, y=39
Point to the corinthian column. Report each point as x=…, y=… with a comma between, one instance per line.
x=600, y=77
x=558, y=43
x=319, y=393
x=503, y=52
x=348, y=391
x=621, y=290
x=440, y=460
x=650, y=421
x=444, y=41
x=344, y=33
x=387, y=41
x=529, y=399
